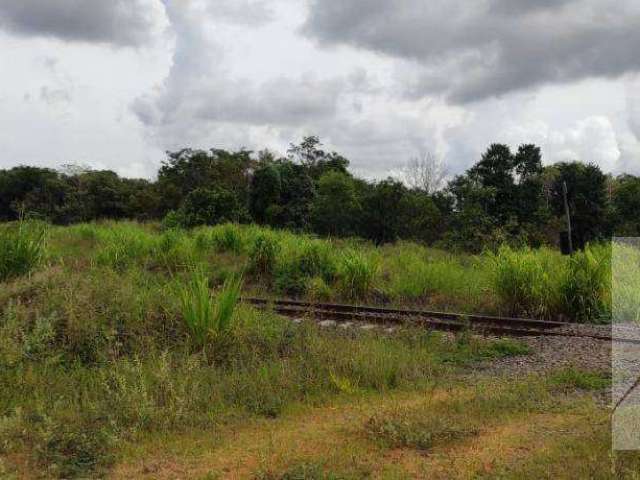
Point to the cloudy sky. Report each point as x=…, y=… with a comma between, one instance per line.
x=113, y=84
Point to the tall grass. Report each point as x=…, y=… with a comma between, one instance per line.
x=625, y=288
x=586, y=289
x=357, y=273
x=22, y=248
x=528, y=282
x=542, y=283
x=207, y=317
x=263, y=254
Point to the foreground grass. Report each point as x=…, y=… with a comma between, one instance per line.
x=91, y=358
x=497, y=429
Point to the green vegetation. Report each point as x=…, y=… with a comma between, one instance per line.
x=205, y=317
x=131, y=332
x=21, y=248
x=540, y=284
x=507, y=197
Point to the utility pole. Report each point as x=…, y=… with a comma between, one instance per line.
x=566, y=210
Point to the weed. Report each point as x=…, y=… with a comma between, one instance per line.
x=572, y=379
x=22, y=248
x=528, y=282
x=263, y=254
x=227, y=238
x=586, y=290
x=204, y=316
x=356, y=274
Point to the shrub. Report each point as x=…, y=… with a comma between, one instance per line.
x=22, y=249
x=356, y=274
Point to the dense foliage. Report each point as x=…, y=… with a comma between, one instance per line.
x=505, y=197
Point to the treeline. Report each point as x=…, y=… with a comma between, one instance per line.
x=505, y=197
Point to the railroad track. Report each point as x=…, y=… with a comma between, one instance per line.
x=453, y=322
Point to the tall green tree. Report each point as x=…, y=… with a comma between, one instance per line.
x=335, y=208
x=587, y=198
x=382, y=211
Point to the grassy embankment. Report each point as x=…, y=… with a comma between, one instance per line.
x=112, y=350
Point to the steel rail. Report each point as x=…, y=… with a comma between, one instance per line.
x=437, y=320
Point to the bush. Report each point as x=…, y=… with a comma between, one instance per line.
x=22, y=248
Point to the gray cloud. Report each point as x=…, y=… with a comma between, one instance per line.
x=470, y=51
x=117, y=22
x=199, y=96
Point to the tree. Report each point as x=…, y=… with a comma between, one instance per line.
x=34, y=191
x=626, y=205
x=210, y=206
x=506, y=190
x=186, y=170
x=426, y=173
x=265, y=194
x=335, y=208
x=587, y=198
x=381, y=211
x=296, y=196
x=309, y=154
x=420, y=218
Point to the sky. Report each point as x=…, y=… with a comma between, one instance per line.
x=115, y=84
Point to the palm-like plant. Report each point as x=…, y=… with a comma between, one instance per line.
x=205, y=316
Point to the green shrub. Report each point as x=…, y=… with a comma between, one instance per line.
x=174, y=251
x=22, y=248
x=356, y=274
x=63, y=446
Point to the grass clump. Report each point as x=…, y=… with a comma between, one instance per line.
x=205, y=316
x=586, y=289
x=302, y=471
x=435, y=422
x=227, y=238
x=575, y=379
x=263, y=254
x=22, y=248
x=122, y=246
x=402, y=430
x=357, y=274
x=527, y=281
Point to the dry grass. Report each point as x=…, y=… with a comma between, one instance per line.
x=333, y=442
